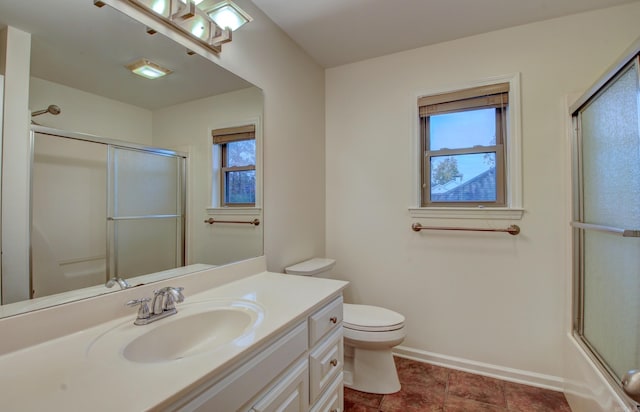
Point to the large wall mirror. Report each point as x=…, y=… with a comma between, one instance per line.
x=93, y=119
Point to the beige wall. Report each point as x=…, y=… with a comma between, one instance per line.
x=489, y=302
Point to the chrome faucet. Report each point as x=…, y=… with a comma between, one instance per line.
x=165, y=299
x=121, y=282
x=163, y=305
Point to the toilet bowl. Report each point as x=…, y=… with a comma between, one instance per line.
x=370, y=332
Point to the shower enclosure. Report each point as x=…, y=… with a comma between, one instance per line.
x=606, y=181
x=102, y=209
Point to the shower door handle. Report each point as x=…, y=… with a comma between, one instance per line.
x=631, y=384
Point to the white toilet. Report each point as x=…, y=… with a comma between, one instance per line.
x=369, y=334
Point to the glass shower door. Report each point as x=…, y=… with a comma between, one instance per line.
x=608, y=211
x=146, y=207
x=68, y=206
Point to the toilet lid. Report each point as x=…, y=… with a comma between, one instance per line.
x=371, y=318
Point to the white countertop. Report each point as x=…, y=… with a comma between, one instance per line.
x=62, y=375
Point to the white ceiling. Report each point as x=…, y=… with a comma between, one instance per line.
x=336, y=32
x=79, y=45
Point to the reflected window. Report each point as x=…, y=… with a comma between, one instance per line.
x=463, y=135
x=236, y=148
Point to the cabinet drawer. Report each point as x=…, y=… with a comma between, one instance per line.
x=325, y=364
x=325, y=320
x=333, y=399
x=290, y=394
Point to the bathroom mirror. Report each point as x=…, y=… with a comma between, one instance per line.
x=78, y=58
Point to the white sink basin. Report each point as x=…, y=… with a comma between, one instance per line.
x=197, y=328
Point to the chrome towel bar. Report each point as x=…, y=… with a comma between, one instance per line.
x=512, y=230
x=114, y=218
x=607, y=229
x=254, y=222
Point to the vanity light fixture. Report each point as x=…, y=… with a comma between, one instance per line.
x=147, y=68
x=228, y=14
x=191, y=18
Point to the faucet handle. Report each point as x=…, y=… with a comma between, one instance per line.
x=174, y=295
x=120, y=281
x=143, y=311
x=177, y=291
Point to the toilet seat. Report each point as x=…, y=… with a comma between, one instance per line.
x=372, y=327
x=367, y=318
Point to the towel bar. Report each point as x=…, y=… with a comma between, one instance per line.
x=512, y=230
x=254, y=222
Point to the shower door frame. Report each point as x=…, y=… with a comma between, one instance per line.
x=630, y=57
x=1, y=166
x=181, y=252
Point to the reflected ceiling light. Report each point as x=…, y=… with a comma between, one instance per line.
x=148, y=69
x=228, y=14
x=189, y=17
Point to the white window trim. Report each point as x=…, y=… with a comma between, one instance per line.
x=234, y=211
x=214, y=166
x=513, y=158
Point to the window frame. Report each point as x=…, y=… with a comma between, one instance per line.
x=512, y=209
x=221, y=138
x=458, y=102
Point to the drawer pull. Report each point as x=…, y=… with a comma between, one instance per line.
x=334, y=362
x=333, y=319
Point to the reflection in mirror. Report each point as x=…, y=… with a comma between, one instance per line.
x=78, y=86
x=79, y=184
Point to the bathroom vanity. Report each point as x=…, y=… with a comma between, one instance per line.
x=243, y=339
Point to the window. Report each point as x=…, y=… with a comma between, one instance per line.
x=237, y=153
x=463, y=137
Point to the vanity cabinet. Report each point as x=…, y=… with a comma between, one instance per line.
x=326, y=356
x=300, y=371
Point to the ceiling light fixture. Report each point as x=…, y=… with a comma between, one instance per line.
x=148, y=69
x=229, y=15
x=191, y=18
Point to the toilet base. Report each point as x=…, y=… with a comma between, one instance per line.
x=372, y=371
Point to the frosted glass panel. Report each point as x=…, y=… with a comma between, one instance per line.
x=611, y=304
x=146, y=246
x=611, y=155
x=145, y=183
x=68, y=226
x=611, y=197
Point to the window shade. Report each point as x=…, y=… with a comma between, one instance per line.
x=494, y=95
x=233, y=134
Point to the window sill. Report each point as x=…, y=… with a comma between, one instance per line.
x=466, y=213
x=237, y=211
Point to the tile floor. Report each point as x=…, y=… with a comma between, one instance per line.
x=436, y=389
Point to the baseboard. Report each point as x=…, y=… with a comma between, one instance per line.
x=500, y=372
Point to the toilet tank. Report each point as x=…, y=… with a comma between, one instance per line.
x=311, y=267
